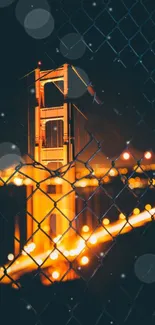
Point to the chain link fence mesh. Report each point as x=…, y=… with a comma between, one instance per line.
x=110, y=277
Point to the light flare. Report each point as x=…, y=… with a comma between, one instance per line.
x=55, y=275
x=84, y=260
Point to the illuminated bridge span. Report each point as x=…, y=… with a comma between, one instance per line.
x=56, y=261
x=52, y=238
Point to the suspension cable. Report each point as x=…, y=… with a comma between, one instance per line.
x=75, y=70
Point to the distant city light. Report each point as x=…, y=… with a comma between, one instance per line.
x=83, y=183
x=10, y=257
x=148, y=155
x=112, y=172
x=31, y=247
x=106, y=179
x=85, y=228
x=27, y=181
x=123, y=276
x=32, y=91
x=106, y=221
x=93, y=240
x=124, y=171
x=148, y=207
x=39, y=261
x=126, y=155
x=66, y=253
x=18, y=181
x=39, y=63
x=54, y=255
x=84, y=260
x=136, y=211
x=55, y=275
x=56, y=239
x=122, y=216
x=72, y=252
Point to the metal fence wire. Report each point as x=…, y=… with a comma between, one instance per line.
x=86, y=255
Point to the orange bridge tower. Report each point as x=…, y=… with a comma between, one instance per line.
x=45, y=219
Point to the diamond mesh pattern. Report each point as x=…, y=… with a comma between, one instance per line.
x=99, y=294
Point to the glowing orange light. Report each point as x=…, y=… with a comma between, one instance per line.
x=106, y=221
x=126, y=155
x=131, y=181
x=10, y=257
x=18, y=181
x=27, y=181
x=72, y=252
x=112, y=172
x=136, y=211
x=31, y=247
x=148, y=155
x=83, y=183
x=46, y=228
x=148, y=207
x=58, y=180
x=55, y=275
x=66, y=253
x=1, y=272
x=106, y=179
x=101, y=236
x=93, y=239
x=122, y=216
x=39, y=261
x=85, y=228
x=54, y=255
x=56, y=239
x=124, y=171
x=23, y=253
x=84, y=260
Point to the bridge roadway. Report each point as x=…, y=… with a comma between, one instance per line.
x=30, y=262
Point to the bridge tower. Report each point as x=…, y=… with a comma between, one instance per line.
x=41, y=196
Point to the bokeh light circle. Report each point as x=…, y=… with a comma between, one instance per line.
x=39, y=23
x=145, y=268
x=72, y=46
x=126, y=155
x=9, y=155
x=5, y=3
x=23, y=8
x=147, y=155
x=36, y=18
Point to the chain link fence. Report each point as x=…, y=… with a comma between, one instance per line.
x=102, y=273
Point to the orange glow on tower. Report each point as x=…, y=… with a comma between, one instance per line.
x=49, y=153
